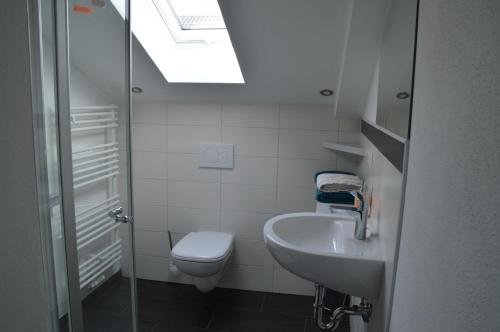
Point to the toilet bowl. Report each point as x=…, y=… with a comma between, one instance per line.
x=203, y=256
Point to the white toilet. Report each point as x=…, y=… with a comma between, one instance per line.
x=204, y=256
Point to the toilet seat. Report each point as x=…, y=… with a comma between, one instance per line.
x=203, y=247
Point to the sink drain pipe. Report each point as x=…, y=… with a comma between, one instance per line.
x=364, y=309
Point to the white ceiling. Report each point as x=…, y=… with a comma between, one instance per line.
x=288, y=51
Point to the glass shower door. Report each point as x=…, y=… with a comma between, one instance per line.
x=93, y=76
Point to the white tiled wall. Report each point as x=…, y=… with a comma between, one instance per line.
x=277, y=152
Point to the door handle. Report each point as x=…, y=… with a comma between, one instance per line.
x=116, y=214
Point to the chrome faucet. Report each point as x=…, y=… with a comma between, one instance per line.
x=360, y=215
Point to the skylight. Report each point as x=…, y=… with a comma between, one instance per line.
x=197, y=15
x=187, y=40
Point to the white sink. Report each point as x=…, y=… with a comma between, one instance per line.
x=322, y=248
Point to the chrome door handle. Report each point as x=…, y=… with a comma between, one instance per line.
x=116, y=214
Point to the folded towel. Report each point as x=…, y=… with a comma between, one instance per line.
x=343, y=198
x=330, y=182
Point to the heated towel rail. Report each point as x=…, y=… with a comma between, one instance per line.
x=96, y=165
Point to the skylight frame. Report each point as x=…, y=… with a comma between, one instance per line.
x=213, y=12
x=184, y=56
x=187, y=36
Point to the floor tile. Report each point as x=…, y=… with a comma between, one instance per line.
x=165, y=328
x=343, y=327
x=237, y=320
x=94, y=321
x=147, y=326
x=109, y=302
x=176, y=307
x=175, y=315
x=289, y=304
x=225, y=297
x=121, y=285
x=167, y=291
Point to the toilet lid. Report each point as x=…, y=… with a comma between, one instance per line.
x=203, y=247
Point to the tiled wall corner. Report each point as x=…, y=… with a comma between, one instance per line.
x=277, y=152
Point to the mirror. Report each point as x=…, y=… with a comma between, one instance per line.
x=396, y=67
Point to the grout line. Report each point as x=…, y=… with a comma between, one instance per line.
x=220, y=171
x=236, y=155
x=236, y=126
x=305, y=323
x=264, y=298
x=155, y=326
x=217, y=307
x=277, y=169
x=276, y=189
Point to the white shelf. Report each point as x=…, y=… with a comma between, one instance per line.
x=347, y=148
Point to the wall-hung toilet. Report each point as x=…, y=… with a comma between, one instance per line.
x=203, y=256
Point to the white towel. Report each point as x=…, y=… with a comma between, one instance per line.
x=329, y=182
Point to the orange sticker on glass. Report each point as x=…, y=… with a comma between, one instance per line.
x=82, y=9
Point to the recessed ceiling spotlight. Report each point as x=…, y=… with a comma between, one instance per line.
x=403, y=95
x=326, y=92
x=136, y=89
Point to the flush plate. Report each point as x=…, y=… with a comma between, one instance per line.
x=216, y=155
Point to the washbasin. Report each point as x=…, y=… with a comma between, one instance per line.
x=322, y=248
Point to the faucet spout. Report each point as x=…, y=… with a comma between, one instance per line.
x=360, y=215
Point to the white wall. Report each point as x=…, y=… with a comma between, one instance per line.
x=24, y=302
x=277, y=152
x=449, y=273
x=387, y=185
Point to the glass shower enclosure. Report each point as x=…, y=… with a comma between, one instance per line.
x=83, y=156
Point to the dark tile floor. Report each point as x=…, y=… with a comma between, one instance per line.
x=171, y=307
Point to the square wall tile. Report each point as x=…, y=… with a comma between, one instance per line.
x=194, y=114
x=252, y=141
x=350, y=137
x=348, y=163
x=286, y=282
x=176, y=237
x=248, y=225
x=251, y=252
x=350, y=124
x=151, y=243
x=300, y=172
x=250, y=115
x=306, y=144
x=202, y=195
x=295, y=199
x=252, y=170
x=150, y=217
x=152, y=267
x=311, y=117
x=248, y=198
x=149, y=112
x=278, y=149
x=149, y=165
x=186, y=167
x=187, y=139
x=185, y=220
x=151, y=192
x=256, y=278
x=149, y=137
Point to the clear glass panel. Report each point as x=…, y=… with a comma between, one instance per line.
x=99, y=110
x=49, y=194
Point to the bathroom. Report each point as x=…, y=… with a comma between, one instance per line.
x=265, y=165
